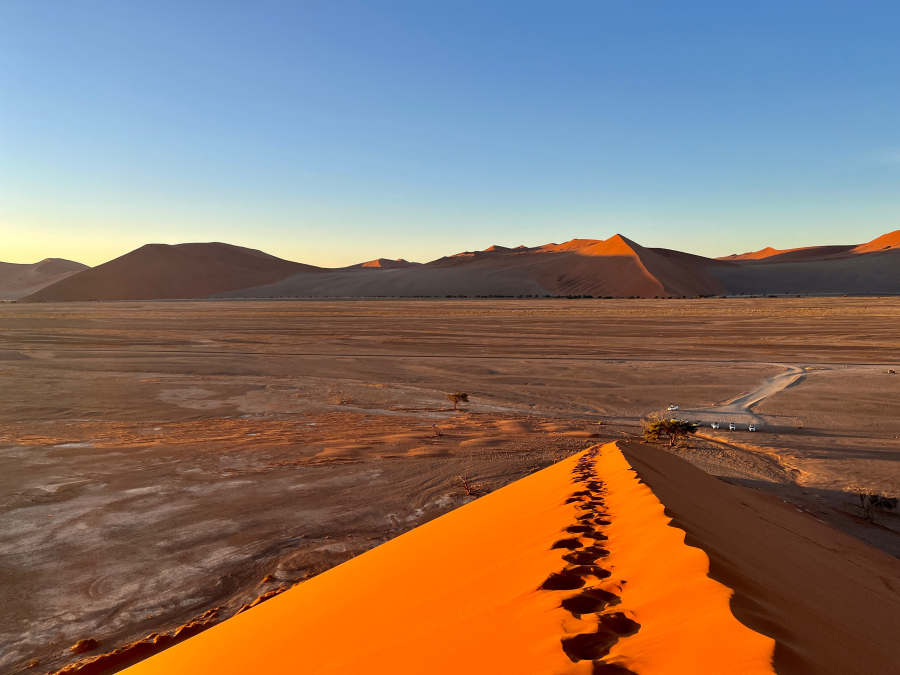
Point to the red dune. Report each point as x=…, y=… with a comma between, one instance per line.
x=615, y=267
x=575, y=569
x=18, y=280
x=772, y=255
x=756, y=255
x=885, y=242
x=160, y=271
x=385, y=263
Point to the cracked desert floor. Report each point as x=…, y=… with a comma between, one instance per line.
x=169, y=463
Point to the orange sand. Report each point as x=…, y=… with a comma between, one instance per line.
x=461, y=594
x=686, y=622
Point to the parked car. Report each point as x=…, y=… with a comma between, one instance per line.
x=752, y=427
x=714, y=425
x=673, y=407
x=732, y=426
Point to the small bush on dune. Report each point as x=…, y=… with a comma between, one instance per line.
x=457, y=398
x=469, y=486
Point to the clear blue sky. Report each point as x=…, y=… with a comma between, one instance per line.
x=333, y=132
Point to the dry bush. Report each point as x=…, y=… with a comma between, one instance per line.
x=469, y=486
x=456, y=398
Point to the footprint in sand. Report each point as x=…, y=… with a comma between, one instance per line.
x=581, y=565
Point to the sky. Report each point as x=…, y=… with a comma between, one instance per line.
x=334, y=132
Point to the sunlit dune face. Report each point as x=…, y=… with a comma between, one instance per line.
x=574, y=569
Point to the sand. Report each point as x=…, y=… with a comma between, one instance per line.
x=480, y=590
x=615, y=267
x=20, y=280
x=237, y=440
x=831, y=604
x=161, y=271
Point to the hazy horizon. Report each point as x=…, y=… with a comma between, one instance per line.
x=337, y=133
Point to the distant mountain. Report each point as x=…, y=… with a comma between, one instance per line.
x=614, y=267
x=161, y=271
x=18, y=280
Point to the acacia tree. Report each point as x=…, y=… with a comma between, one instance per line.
x=457, y=398
x=657, y=427
x=871, y=501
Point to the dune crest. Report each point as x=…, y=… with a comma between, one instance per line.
x=574, y=569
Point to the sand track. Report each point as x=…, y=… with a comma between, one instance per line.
x=741, y=407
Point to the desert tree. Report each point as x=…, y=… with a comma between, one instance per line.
x=657, y=427
x=456, y=398
x=871, y=501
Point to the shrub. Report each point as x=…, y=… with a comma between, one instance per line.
x=871, y=501
x=657, y=427
x=457, y=398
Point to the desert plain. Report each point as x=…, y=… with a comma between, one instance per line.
x=168, y=464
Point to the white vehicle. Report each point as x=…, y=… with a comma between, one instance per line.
x=752, y=427
x=673, y=407
x=714, y=425
x=732, y=426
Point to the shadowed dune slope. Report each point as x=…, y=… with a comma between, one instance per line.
x=17, y=280
x=831, y=603
x=770, y=255
x=869, y=273
x=161, y=271
x=574, y=569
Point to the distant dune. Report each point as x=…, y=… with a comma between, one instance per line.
x=872, y=268
x=598, y=564
x=18, y=280
x=384, y=263
x=160, y=271
x=615, y=267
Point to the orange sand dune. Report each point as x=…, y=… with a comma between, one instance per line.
x=883, y=243
x=387, y=264
x=574, y=569
x=831, y=602
x=160, y=271
x=769, y=255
